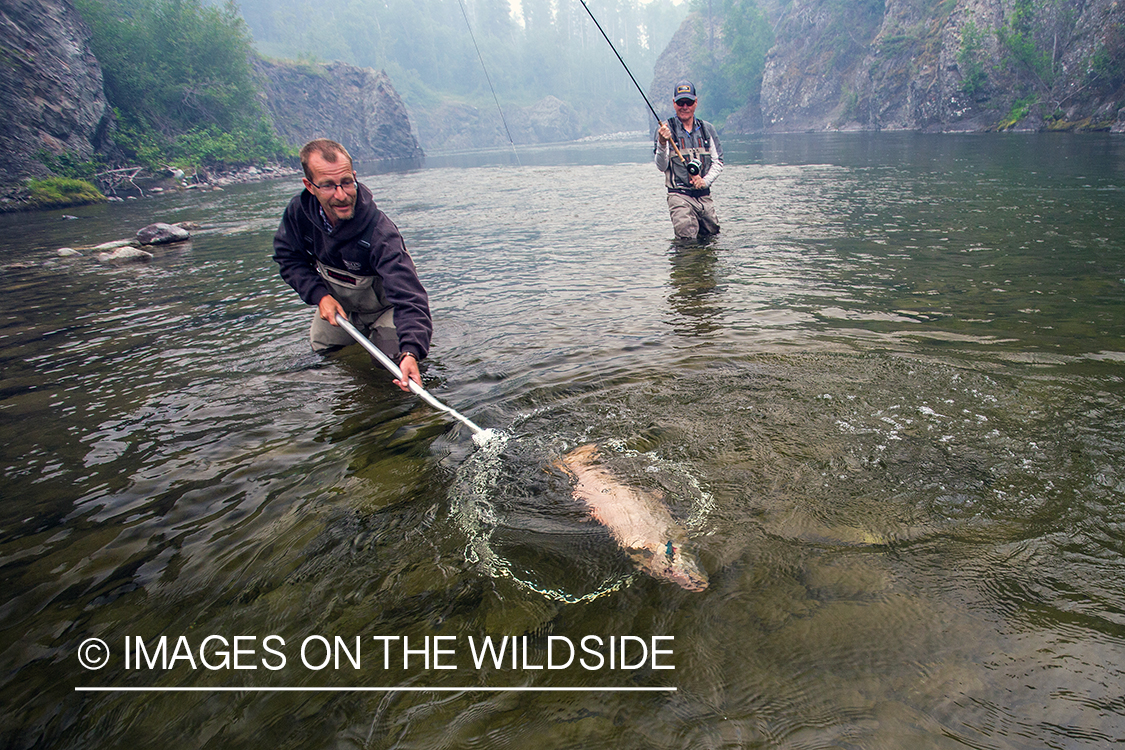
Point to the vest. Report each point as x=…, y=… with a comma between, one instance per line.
x=696, y=147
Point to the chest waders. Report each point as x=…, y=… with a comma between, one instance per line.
x=366, y=304
x=692, y=210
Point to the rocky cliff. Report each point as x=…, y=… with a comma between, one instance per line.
x=50, y=90
x=356, y=106
x=53, y=101
x=955, y=65
x=680, y=61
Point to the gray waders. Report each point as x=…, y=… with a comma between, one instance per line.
x=692, y=217
x=368, y=310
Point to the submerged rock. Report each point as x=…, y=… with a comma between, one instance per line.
x=126, y=255
x=113, y=245
x=161, y=234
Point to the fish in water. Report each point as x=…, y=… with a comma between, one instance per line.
x=638, y=520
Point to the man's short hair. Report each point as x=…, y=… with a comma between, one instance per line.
x=329, y=151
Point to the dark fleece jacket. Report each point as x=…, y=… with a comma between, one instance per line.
x=302, y=239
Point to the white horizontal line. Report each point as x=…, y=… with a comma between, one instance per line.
x=373, y=689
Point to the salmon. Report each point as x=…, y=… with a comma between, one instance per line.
x=638, y=520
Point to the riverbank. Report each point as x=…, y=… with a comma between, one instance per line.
x=148, y=185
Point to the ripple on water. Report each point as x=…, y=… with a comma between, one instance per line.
x=516, y=508
x=885, y=401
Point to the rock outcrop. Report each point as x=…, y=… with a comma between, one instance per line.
x=909, y=65
x=677, y=62
x=54, y=105
x=51, y=89
x=940, y=68
x=357, y=107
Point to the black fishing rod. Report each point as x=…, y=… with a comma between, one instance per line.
x=634, y=80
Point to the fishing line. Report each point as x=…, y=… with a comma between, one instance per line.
x=606, y=36
x=496, y=99
x=634, y=80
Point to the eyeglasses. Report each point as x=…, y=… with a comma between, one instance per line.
x=684, y=103
x=330, y=187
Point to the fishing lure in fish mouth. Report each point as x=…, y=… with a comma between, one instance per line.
x=682, y=568
x=670, y=563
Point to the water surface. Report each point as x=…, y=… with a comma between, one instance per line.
x=886, y=402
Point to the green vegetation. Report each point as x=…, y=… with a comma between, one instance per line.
x=1020, y=109
x=179, y=77
x=1018, y=36
x=1034, y=36
x=970, y=59
x=1107, y=68
x=850, y=100
x=59, y=192
x=728, y=83
x=71, y=165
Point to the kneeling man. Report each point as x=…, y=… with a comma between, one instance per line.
x=342, y=254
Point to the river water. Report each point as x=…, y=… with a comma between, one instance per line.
x=886, y=404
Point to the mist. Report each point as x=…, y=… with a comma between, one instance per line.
x=475, y=53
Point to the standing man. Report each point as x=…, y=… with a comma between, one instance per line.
x=342, y=254
x=688, y=176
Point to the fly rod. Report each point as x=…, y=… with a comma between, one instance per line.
x=634, y=80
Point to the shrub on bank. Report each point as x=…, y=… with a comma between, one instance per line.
x=59, y=192
x=178, y=75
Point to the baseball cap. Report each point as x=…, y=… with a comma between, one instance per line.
x=684, y=90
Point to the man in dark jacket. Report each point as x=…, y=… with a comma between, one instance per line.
x=342, y=254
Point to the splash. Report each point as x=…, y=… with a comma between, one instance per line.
x=522, y=523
